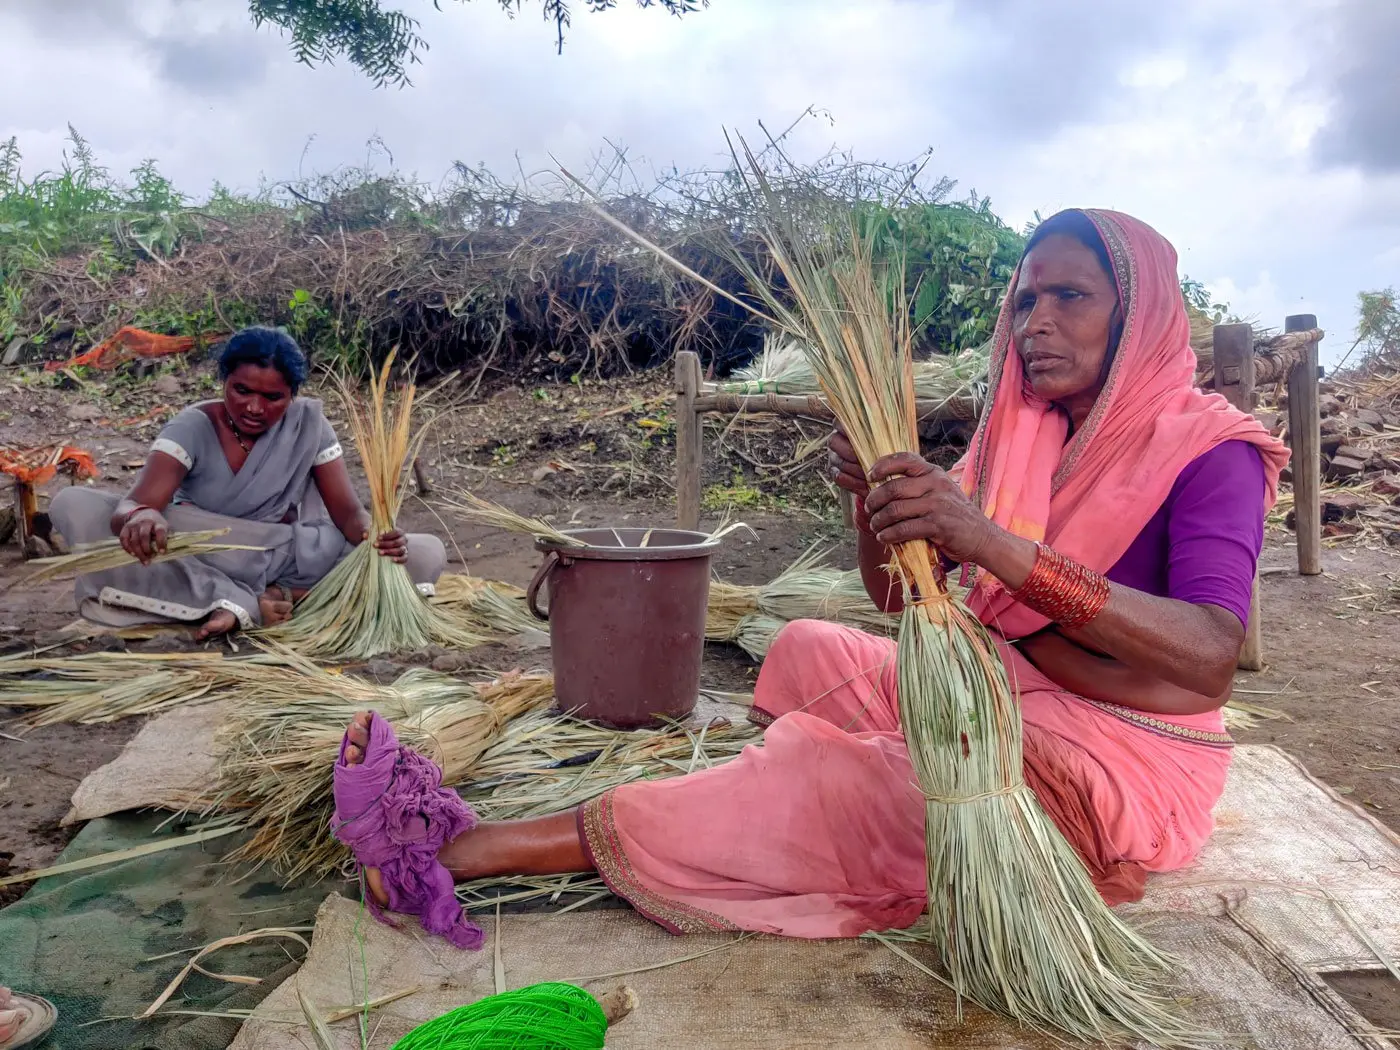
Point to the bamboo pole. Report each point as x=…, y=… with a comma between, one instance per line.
x=688, y=441
x=1234, y=378
x=1305, y=438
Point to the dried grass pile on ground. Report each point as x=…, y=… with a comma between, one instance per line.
x=279, y=748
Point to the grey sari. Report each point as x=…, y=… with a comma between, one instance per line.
x=271, y=502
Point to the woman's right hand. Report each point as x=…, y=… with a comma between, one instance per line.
x=143, y=534
x=844, y=466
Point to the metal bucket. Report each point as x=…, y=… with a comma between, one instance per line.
x=626, y=621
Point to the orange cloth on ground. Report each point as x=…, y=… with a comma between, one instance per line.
x=128, y=343
x=35, y=466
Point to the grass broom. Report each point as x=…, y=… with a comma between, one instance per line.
x=1013, y=914
x=367, y=604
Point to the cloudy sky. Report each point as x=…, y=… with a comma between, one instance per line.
x=1261, y=136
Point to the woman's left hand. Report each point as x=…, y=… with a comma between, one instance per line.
x=911, y=499
x=392, y=545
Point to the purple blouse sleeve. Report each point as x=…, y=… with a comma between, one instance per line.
x=1215, y=528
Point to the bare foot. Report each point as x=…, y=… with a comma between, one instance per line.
x=358, y=735
x=220, y=621
x=274, y=608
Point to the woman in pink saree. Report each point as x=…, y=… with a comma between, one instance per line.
x=1108, y=517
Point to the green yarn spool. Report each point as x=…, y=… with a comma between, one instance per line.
x=547, y=1016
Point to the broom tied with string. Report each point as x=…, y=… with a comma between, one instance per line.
x=1013, y=913
x=367, y=604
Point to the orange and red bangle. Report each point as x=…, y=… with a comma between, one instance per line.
x=1063, y=590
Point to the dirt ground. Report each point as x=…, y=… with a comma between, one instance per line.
x=603, y=453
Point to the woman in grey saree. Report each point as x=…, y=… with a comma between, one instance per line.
x=262, y=463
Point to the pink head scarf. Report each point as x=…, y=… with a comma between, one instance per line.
x=1091, y=496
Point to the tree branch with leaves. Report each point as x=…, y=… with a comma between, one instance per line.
x=384, y=43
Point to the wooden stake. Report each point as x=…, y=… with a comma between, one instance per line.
x=1234, y=378
x=26, y=506
x=688, y=436
x=1305, y=438
x=420, y=478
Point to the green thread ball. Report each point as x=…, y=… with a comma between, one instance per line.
x=547, y=1016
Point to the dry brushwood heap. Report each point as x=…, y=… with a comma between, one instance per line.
x=1360, y=453
x=474, y=274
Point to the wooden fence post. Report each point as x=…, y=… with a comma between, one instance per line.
x=1305, y=438
x=688, y=448
x=1234, y=378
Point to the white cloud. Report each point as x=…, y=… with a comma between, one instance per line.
x=1201, y=117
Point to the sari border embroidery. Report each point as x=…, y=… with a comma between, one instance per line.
x=760, y=717
x=603, y=846
x=1162, y=727
x=174, y=451
x=328, y=455
x=172, y=610
x=1126, y=277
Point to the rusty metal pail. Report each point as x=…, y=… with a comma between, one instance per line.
x=626, y=621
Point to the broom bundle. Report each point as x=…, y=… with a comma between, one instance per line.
x=277, y=752
x=783, y=368
x=493, y=609
x=367, y=604
x=1013, y=914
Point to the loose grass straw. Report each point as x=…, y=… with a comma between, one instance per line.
x=277, y=751
x=1014, y=916
x=108, y=554
x=88, y=688
x=480, y=511
x=367, y=604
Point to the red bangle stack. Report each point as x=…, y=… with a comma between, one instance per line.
x=1063, y=590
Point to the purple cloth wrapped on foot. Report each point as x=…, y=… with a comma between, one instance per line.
x=395, y=815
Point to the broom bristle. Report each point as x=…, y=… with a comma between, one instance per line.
x=367, y=604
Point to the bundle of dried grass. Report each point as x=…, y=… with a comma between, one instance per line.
x=491, y=608
x=783, y=368
x=108, y=554
x=478, y=511
x=278, y=751
x=547, y=762
x=806, y=590
x=729, y=605
x=1016, y=920
x=367, y=604
x=102, y=687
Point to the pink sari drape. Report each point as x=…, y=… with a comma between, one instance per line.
x=819, y=832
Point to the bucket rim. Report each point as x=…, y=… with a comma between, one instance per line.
x=703, y=546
